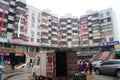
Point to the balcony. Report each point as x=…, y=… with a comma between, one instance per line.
x=96, y=31
x=55, y=21
x=95, y=44
x=96, y=37
x=55, y=27
x=55, y=33
x=96, y=34
x=63, y=40
x=84, y=33
x=54, y=45
x=75, y=34
x=63, y=46
x=1, y=10
x=54, y=39
x=75, y=28
x=96, y=24
x=85, y=39
x=95, y=18
x=89, y=18
x=21, y=16
x=20, y=8
x=69, y=31
x=63, y=23
x=74, y=23
x=90, y=35
x=44, y=44
x=12, y=2
x=89, y=29
x=63, y=28
x=10, y=26
x=69, y=37
x=16, y=32
x=75, y=45
x=107, y=23
x=11, y=10
x=105, y=30
x=44, y=23
x=11, y=18
x=4, y=2
x=44, y=37
x=5, y=20
x=44, y=30
x=76, y=40
x=90, y=23
x=22, y=24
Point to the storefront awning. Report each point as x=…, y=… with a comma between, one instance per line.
x=3, y=40
x=117, y=52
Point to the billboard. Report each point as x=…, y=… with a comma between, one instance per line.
x=109, y=43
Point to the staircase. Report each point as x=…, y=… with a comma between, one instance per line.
x=103, y=56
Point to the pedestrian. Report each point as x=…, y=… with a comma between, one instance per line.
x=13, y=65
x=83, y=66
x=80, y=66
x=90, y=67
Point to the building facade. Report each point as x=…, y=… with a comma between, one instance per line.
x=28, y=25
x=97, y=27
x=68, y=30
x=43, y=27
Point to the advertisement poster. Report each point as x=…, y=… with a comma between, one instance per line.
x=50, y=66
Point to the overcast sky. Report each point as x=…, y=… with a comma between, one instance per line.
x=76, y=7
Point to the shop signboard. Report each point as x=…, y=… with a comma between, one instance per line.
x=109, y=43
x=3, y=40
x=117, y=46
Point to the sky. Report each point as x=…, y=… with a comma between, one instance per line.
x=76, y=7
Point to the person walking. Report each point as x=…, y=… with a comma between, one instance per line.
x=90, y=67
x=13, y=65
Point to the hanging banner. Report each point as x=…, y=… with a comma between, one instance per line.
x=50, y=65
x=2, y=21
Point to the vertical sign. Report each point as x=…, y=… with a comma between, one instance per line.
x=50, y=64
x=2, y=21
x=19, y=25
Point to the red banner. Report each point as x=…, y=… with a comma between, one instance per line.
x=50, y=65
x=46, y=21
x=2, y=21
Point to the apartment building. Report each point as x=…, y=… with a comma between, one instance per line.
x=4, y=11
x=68, y=30
x=42, y=27
x=98, y=26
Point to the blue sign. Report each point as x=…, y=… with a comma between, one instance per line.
x=109, y=43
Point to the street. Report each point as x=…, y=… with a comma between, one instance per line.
x=27, y=76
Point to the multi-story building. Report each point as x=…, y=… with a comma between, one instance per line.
x=68, y=29
x=98, y=26
x=42, y=27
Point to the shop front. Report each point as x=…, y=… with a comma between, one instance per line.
x=117, y=51
x=12, y=55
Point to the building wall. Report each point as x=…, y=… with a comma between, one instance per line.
x=67, y=31
x=99, y=26
x=68, y=27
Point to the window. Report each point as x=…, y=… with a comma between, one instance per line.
x=108, y=13
x=38, y=60
x=32, y=39
x=111, y=38
x=101, y=15
x=4, y=34
x=38, y=33
x=38, y=40
x=109, y=19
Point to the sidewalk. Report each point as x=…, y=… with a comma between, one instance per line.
x=8, y=69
